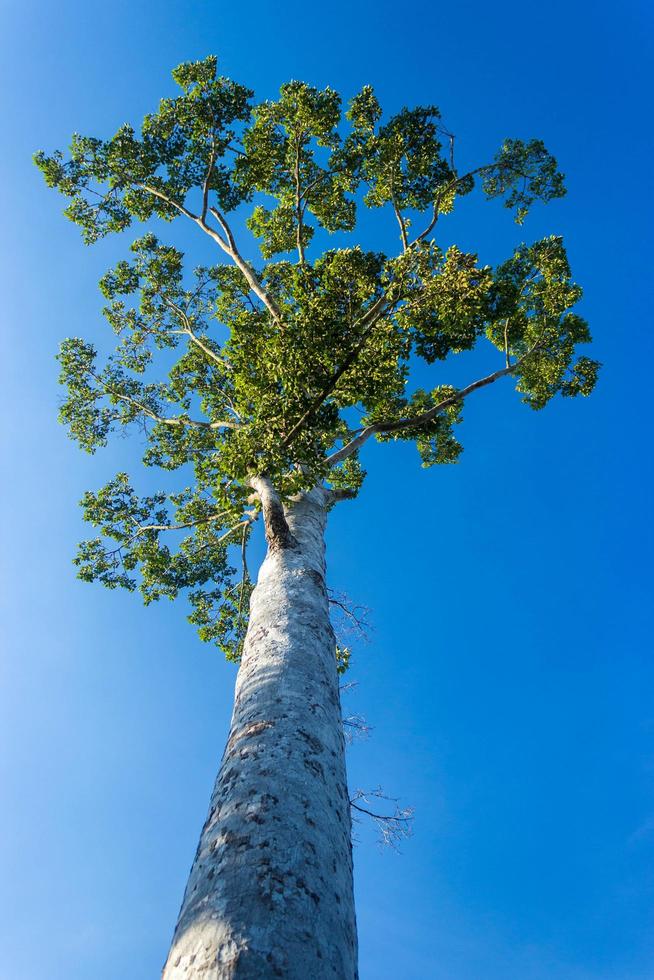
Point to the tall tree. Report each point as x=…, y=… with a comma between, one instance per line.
x=259, y=384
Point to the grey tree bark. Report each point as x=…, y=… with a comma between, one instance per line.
x=270, y=892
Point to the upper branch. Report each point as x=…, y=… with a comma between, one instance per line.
x=442, y=194
x=278, y=533
x=151, y=414
x=424, y=418
x=418, y=420
x=205, y=184
x=188, y=331
x=299, y=211
x=401, y=223
x=400, y=220
x=227, y=244
x=169, y=200
x=369, y=321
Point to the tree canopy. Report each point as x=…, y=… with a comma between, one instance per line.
x=269, y=359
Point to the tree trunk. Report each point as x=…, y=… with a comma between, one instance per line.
x=270, y=891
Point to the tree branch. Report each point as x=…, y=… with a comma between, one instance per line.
x=298, y=207
x=231, y=249
x=369, y=321
x=314, y=183
x=355, y=726
x=393, y=827
x=179, y=420
x=170, y=201
x=419, y=420
x=378, y=816
x=142, y=528
x=278, y=533
x=244, y=559
x=400, y=219
x=228, y=245
x=356, y=615
x=190, y=333
x=205, y=184
x=445, y=190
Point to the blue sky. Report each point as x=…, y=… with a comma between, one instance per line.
x=509, y=674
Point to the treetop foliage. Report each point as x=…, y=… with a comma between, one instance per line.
x=273, y=359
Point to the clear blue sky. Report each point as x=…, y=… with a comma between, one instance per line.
x=509, y=678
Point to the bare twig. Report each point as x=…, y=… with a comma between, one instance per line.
x=356, y=616
x=393, y=827
x=355, y=726
x=348, y=686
